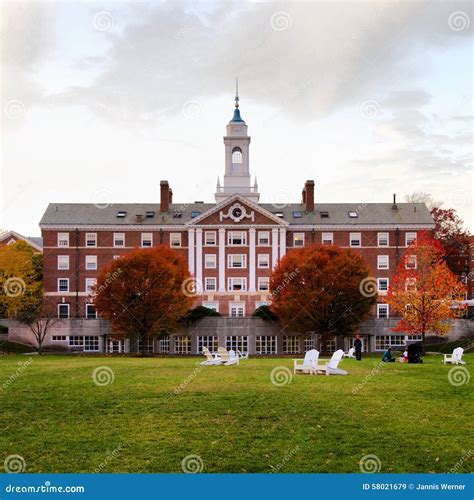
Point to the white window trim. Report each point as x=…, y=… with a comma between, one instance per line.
x=267, y=237
x=230, y=259
x=379, y=236
x=229, y=239
x=383, y=292
x=262, y=280
x=259, y=263
x=146, y=235
x=89, y=280
x=407, y=259
x=66, y=257
x=231, y=280
x=91, y=259
x=91, y=236
x=64, y=236
x=119, y=236
x=378, y=310
x=206, y=234
x=355, y=236
x=210, y=280
x=327, y=236
x=298, y=235
x=411, y=235
x=239, y=305
x=215, y=303
x=68, y=306
x=58, y=288
x=378, y=262
x=177, y=237
x=210, y=264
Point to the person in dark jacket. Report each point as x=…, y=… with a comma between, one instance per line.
x=358, y=347
x=387, y=356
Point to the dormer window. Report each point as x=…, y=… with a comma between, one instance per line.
x=236, y=155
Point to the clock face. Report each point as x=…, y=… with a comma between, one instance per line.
x=237, y=212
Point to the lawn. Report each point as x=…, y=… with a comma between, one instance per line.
x=159, y=410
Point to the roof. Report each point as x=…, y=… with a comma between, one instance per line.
x=237, y=117
x=80, y=214
x=33, y=241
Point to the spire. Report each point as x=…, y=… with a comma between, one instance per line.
x=237, y=117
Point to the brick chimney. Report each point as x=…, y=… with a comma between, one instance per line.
x=170, y=196
x=165, y=195
x=308, y=196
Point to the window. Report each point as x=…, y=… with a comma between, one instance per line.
x=210, y=260
x=63, y=262
x=91, y=262
x=90, y=282
x=119, y=239
x=149, y=214
x=237, y=261
x=175, y=239
x=308, y=343
x=298, y=239
x=212, y=343
x=76, y=341
x=414, y=338
x=382, y=342
x=121, y=214
x=324, y=215
x=237, y=284
x=195, y=213
x=164, y=345
x=182, y=344
x=148, y=345
x=410, y=285
x=382, y=285
x=352, y=214
x=211, y=305
x=265, y=344
x=331, y=344
x=59, y=338
x=63, y=311
x=63, y=239
x=210, y=284
x=237, y=155
x=354, y=239
x=261, y=303
x=382, y=310
x=237, y=238
x=237, y=343
x=91, y=239
x=410, y=239
x=116, y=257
x=297, y=214
x=382, y=239
x=91, y=313
x=147, y=240
x=382, y=262
x=327, y=238
x=263, y=238
x=291, y=344
x=263, y=260
x=63, y=285
x=410, y=262
x=237, y=309
x=263, y=284
x=91, y=343
x=210, y=238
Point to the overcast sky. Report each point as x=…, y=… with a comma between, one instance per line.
x=100, y=101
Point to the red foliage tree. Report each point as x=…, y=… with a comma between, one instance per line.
x=318, y=288
x=424, y=292
x=450, y=233
x=142, y=294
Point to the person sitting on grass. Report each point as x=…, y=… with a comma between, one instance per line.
x=404, y=357
x=387, y=356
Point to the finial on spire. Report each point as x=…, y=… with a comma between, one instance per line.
x=236, y=92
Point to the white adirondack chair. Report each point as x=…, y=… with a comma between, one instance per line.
x=309, y=363
x=243, y=355
x=331, y=368
x=227, y=357
x=350, y=353
x=455, y=358
x=210, y=358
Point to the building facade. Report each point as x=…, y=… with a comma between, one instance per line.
x=231, y=245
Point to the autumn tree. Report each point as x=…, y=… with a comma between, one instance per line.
x=424, y=292
x=144, y=294
x=318, y=288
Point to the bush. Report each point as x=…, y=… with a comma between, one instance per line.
x=265, y=313
x=15, y=348
x=447, y=347
x=3, y=329
x=198, y=313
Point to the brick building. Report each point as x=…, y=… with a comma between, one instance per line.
x=230, y=245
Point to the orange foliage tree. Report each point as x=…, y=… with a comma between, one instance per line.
x=143, y=294
x=318, y=288
x=424, y=292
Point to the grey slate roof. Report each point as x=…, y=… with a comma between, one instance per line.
x=81, y=214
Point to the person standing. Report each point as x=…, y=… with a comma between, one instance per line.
x=358, y=347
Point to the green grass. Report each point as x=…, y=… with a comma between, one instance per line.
x=234, y=418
